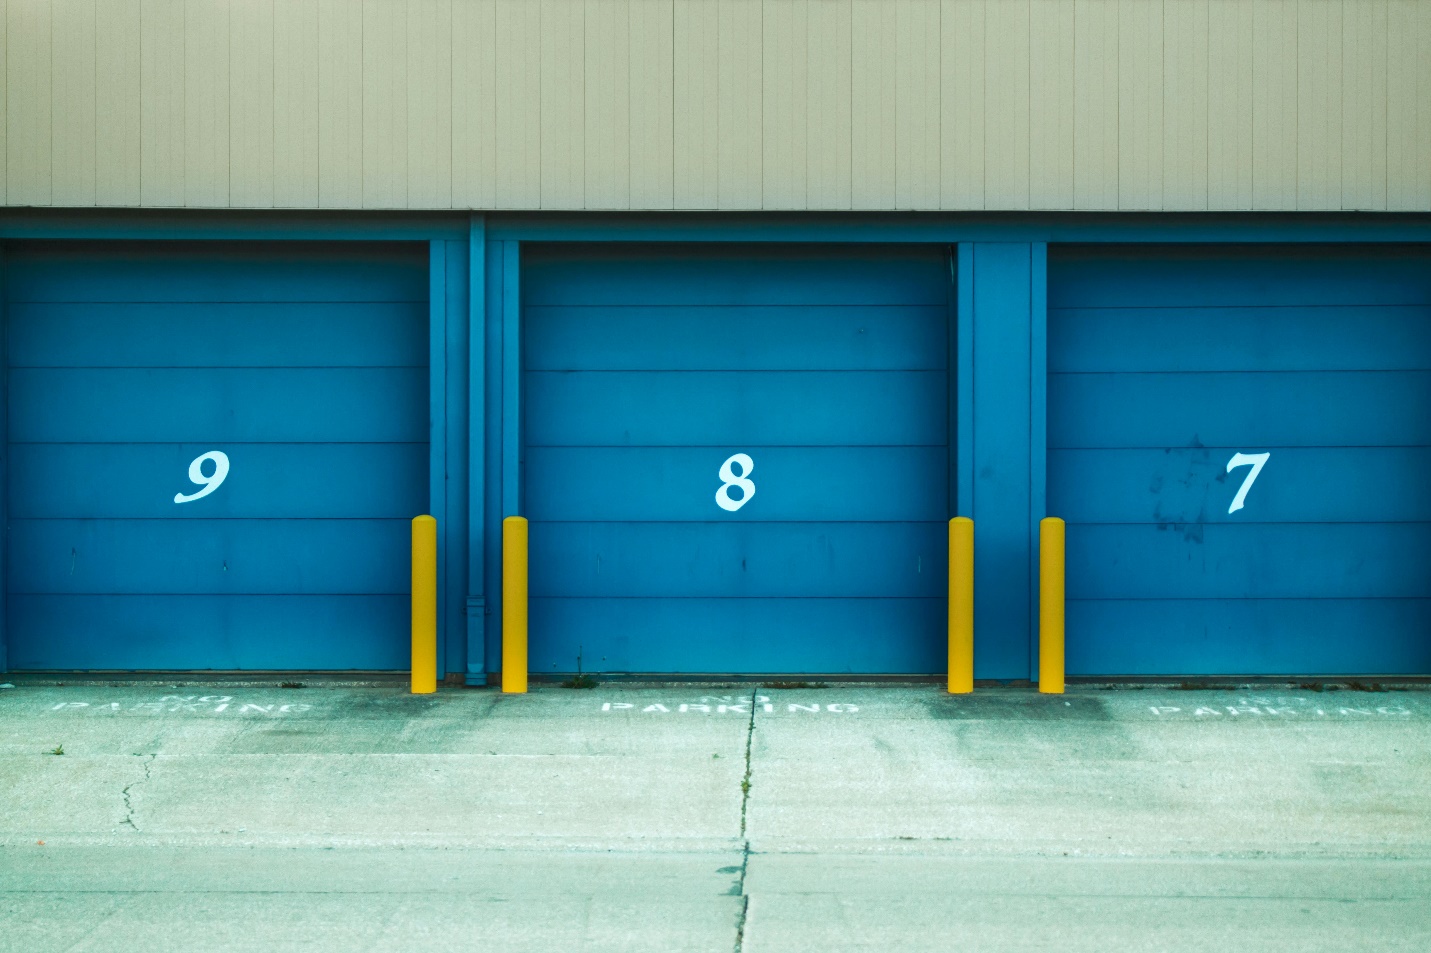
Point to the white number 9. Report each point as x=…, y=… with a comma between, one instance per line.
x=209, y=483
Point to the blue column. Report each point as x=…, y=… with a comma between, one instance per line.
x=1001, y=322
x=502, y=434
x=447, y=439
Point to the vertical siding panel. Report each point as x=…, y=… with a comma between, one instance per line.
x=652, y=85
x=1229, y=105
x=474, y=114
x=827, y=145
x=606, y=166
x=28, y=93
x=340, y=104
x=117, y=102
x=385, y=125
x=1363, y=145
x=962, y=105
x=1185, y=105
x=4, y=87
x=519, y=104
x=161, y=80
x=206, y=103
x=1408, y=106
x=562, y=106
x=1274, y=104
x=73, y=164
x=251, y=34
x=1051, y=108
x=785, y=109
x=1140, y=104
x=872, y=104
x=696, y=123
x=917, y=104
x=739, y=91
x=1319, y=104
x=296, y=120
x=1095, y=104
x=429, y=104
x=1006, y=105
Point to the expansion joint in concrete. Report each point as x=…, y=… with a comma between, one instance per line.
x=128, y=788
x=745, y=842
x=745, y=779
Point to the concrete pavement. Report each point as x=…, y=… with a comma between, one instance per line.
x=228, y=816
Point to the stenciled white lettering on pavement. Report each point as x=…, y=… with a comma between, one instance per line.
x=1286, y=708
x=183, y=704
x=730, y=705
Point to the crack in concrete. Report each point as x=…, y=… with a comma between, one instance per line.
x=125, y=793
x=745, y=846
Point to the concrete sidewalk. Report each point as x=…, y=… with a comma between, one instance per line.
x=234, y=817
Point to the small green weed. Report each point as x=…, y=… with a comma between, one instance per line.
x=580, y=679
x=57, y=749
x=1364, y=687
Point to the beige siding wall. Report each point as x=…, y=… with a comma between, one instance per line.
x=717, y=104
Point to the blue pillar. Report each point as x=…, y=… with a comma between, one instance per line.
x=447, y=441
x=502, y=419
x=1001, y=445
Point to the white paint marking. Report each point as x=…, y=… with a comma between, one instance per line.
x=1256, y=461
x=729, y=478
x=209, y=483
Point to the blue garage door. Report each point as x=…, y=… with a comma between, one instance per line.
x=1240, y=439
x=213, y=453
x=661, y=384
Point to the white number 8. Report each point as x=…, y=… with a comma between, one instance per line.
x=209, y=483
x=728, y=479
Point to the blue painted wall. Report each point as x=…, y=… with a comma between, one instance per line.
x=1322, y=392
x=1004, y=325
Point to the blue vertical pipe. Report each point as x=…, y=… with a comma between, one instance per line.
x=476, y=327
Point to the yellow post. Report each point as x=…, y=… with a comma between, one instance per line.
x=514, y=604
x=961, y=605
x=424, y=605
x=1050, y=605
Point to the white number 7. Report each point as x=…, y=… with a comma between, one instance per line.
x=1255, y=460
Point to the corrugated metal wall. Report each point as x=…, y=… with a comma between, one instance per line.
x=729, y=104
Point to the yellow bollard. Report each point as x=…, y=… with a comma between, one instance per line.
x=514, y=604
x=424, y=605
x=1050, y=605
x=961, y=605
